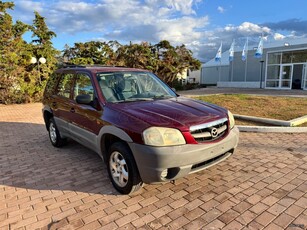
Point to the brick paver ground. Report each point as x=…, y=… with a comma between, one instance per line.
x=264, y=185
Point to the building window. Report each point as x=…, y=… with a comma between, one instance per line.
x=285, y=67
x=273, y=72
x=274, y=58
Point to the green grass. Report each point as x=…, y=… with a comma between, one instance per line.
x=282, y=108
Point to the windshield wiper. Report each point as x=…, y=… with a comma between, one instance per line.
x=161, y=96
x=134, y=99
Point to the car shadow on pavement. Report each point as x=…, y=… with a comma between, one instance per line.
x=28, y=160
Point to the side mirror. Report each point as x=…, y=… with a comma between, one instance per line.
x=84, y=99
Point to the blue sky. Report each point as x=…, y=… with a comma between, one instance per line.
x=199, y=24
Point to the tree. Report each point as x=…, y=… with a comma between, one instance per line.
x=13, y=53
x=41, y=46
x=162, y=58
x=93, y=52
x=173, y=60
x=136, y=56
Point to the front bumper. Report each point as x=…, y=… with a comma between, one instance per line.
x=161, y=164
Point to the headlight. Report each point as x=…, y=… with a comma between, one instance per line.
x=158, y=136
x=231, y=120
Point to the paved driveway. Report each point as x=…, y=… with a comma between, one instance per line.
x=264, y=185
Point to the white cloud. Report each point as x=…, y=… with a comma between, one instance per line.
x=248, y=28
x=130, y=20
x=181, y=30
x=278, y=36
x=23, y=10
x=93, y=16
x=184, y=6
x=221, y=9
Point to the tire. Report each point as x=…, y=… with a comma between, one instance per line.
x=54, y=134
x=122, y=169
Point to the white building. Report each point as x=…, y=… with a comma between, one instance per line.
x=283, y=66
x=194, y=76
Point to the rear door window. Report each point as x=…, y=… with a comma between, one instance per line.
x=51, y=84
x=65, y=84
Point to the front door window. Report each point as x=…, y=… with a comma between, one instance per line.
x=83, y=86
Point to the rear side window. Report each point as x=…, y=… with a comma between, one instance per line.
x=64, y=85
x=83, y=86
x=51, y=84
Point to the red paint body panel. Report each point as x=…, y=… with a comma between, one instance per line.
x=180, y=113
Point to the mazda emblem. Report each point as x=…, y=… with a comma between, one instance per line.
x=214, y=132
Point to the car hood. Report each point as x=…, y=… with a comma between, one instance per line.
x=180, y=112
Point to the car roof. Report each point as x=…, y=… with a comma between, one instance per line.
x=96, y=69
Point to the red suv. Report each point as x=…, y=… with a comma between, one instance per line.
x=140, y=127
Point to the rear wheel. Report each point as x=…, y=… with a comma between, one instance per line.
x=54, y=134
x=122, y=169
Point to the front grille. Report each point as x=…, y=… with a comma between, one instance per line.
x=210, y=131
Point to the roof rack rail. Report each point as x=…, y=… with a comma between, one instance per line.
x=71, y=65
x=97, y=65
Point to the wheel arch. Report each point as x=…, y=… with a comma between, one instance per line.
x=109, y=135
x=47, y=115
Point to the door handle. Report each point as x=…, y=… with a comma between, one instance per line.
x=72, y=110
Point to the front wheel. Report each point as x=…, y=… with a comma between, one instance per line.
x=54, y=134
x=122, y=169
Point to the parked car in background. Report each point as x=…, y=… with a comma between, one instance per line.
x=141, y=128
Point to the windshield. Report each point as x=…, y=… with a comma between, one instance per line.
x=132, y=86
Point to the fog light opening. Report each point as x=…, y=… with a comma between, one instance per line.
x=170, y=174
x=164, y=173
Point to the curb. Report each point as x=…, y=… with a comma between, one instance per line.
x=291, y=123
x=298, y=121
x=270, y=129
x=263, y=120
